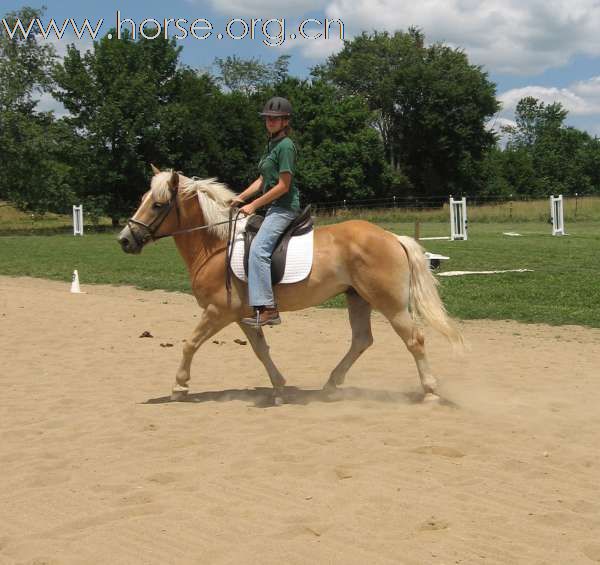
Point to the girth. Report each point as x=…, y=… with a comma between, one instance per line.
x=299, y=226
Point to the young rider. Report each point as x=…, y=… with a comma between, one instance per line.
x=281, y=197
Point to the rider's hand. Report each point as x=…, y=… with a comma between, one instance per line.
x=248, y=209
x=236, y=202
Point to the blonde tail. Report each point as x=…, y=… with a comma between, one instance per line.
x=425, y=300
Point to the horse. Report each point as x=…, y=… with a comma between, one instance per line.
x=375, y=268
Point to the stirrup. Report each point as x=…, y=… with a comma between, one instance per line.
x=260, y=319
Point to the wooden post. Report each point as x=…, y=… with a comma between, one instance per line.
x=417, y=230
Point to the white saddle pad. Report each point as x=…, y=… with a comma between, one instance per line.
x=298, y=262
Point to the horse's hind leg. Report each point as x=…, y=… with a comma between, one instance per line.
x=257, y=340
x=359, y=311
x=414, y=338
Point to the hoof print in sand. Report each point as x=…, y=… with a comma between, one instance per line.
x=434, y=524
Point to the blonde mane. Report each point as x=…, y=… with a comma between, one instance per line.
x=213, y=196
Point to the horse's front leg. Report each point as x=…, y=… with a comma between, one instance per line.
x=211, y=322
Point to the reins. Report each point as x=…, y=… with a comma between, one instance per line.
x=231, y=233
x=155, y=224
x=207, y=226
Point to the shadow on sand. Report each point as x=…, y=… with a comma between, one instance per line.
x=262, y=397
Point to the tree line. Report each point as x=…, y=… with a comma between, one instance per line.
x=386, y=116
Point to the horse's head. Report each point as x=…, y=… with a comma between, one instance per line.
x=156, y=217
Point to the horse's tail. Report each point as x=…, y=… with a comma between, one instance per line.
x=425, y=300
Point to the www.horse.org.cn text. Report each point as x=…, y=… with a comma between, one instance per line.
x=273, y=32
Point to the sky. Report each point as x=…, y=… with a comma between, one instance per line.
x=544, y=48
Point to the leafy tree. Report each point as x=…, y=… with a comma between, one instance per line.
x=340, y=155
x=117, y=95
x=431, y=106
x=544, y=156
x=249, y=76
x=31, y=174
x=25, y=64
x=533, y=120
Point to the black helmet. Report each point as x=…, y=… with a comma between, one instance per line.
x=277, y=106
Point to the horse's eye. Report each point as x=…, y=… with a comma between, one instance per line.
x=157, y=205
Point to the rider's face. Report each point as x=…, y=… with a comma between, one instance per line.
x=275, y=123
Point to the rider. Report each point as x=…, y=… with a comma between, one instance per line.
x=280, y=194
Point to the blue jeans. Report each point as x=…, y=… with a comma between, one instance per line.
x=260, y=290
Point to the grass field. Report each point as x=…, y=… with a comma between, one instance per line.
x=564, y=287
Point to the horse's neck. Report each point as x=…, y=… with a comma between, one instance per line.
x=196, y=248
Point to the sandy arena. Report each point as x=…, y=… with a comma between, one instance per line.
x=98, y=466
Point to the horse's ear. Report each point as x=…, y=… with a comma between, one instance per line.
x=154, y=169
x=174, y=181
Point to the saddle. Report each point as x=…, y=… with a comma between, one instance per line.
x=299, y=226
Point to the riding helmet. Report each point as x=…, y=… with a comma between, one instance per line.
x=277, y=106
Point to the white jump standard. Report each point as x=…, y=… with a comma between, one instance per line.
x=78, y=220
x=458, y=218
x=558, y=218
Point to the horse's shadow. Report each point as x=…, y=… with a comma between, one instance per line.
x=262, y=397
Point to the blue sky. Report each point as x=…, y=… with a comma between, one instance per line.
x=545, y=48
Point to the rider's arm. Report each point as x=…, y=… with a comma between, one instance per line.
x=252, y=189
x=285, y=180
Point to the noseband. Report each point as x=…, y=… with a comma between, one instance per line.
x=151, y=228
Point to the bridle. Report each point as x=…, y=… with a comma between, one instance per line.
x=151, y=228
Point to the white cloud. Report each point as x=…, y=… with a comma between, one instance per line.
x=506, y=36
x=580, y=99
x=496, y=124
x=262, y=8
x=510, y=36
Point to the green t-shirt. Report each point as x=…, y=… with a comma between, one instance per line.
x=280, y=157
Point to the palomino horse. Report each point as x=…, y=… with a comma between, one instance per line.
x=375, y=268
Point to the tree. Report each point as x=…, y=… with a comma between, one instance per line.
x=249, y=76
x=431, y=106
x=533, y=120
x=340, y=155
x=558, y=158
x=25, y=64
x=31, y=174
x=117, y=97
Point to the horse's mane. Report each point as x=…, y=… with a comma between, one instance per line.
x=214, y=198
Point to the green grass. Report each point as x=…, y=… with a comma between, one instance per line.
x=13, y=221
x=564, y=287
x=97, y=257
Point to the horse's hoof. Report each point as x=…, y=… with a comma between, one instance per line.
x=179, y=393
x=329, y=387
x=431, y=398
x=278, y=401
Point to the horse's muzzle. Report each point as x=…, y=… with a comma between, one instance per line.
x=128, y=242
